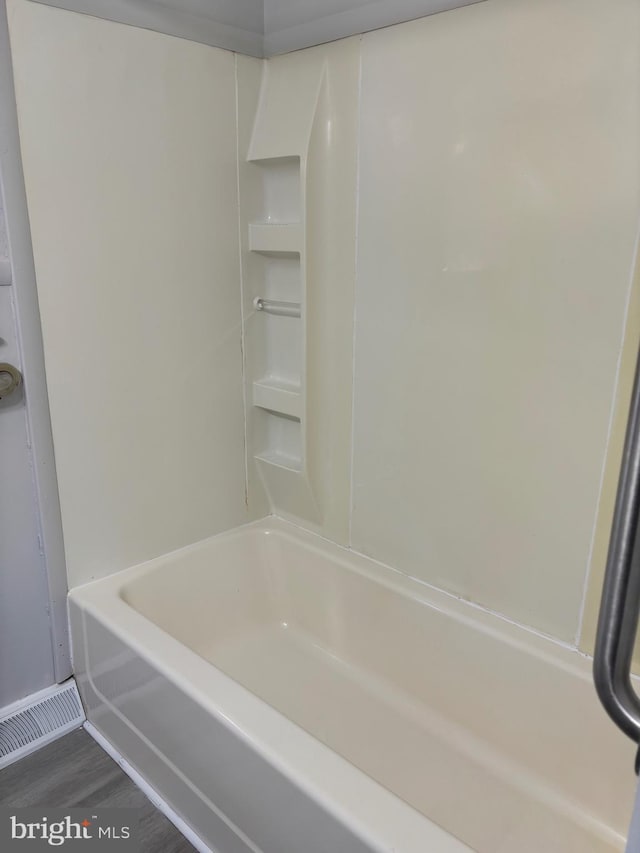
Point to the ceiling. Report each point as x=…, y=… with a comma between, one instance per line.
x=259, y=27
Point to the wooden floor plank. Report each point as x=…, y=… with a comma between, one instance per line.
x=73, y=772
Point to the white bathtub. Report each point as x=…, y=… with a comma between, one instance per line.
x=287, y=696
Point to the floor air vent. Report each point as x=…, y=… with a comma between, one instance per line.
x=39, y=719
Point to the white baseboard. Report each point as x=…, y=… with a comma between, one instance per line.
x=150, y=792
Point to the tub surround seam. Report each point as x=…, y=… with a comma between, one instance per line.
x=355, y=302
x=242, y=291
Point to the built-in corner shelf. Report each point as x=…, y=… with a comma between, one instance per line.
x=278, y=396
x=276, y=238
x=273, y=236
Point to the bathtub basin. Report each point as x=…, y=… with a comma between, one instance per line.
x=286, y=695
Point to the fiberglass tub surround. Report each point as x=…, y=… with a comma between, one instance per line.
x=359, y=690
x=444, y=214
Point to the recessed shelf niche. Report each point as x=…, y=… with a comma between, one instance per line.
x=277, y=235
x=280, y=190
x=281, y=440
x=275, y=238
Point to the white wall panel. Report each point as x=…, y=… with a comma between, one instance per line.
x=129, y=153
x=499, y=202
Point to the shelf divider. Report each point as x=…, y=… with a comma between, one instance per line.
x=281, y=397
x=276, y=239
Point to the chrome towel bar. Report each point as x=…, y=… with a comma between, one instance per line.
x=272, y=306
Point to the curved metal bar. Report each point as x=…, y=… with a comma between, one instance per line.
x=620, y=605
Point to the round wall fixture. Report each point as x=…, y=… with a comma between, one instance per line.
x=10, y=379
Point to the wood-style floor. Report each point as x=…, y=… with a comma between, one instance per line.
x=75, y=772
